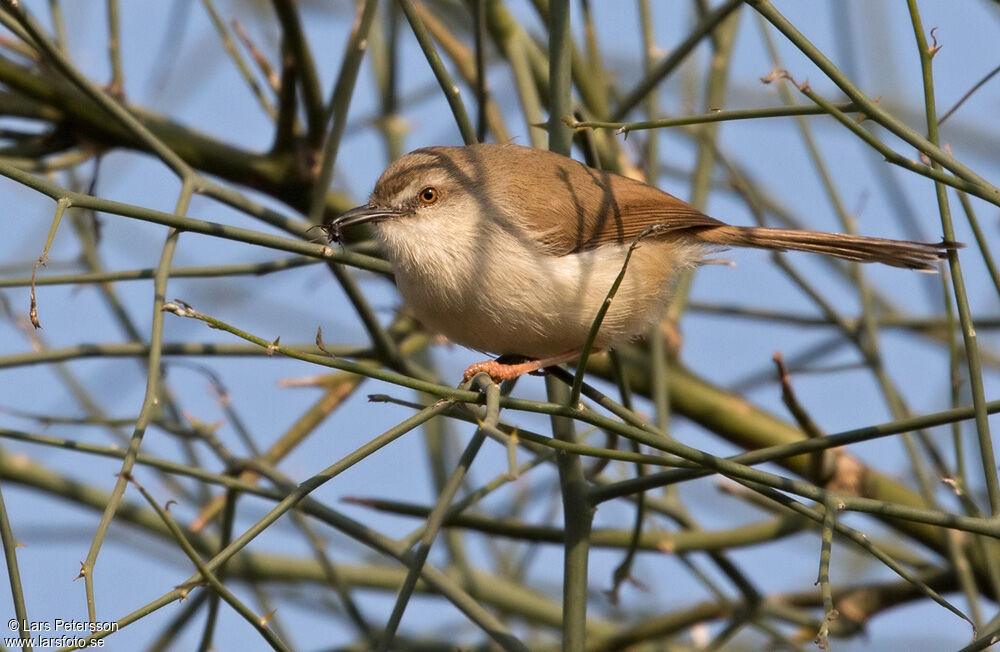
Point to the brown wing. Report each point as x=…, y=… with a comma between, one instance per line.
x=572, y=207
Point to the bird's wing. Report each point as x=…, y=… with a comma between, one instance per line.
x=584, y=208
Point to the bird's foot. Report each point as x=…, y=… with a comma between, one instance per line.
x=499, y=371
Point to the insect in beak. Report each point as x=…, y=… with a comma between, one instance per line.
x=361, y=215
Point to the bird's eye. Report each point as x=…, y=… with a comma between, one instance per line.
x=429, y=195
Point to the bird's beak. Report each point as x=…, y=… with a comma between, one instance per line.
x=360, y=215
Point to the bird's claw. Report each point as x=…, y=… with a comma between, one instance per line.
x=496, y=371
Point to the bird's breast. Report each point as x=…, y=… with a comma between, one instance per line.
x=493, y=289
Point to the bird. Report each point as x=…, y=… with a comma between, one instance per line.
x=512, y=250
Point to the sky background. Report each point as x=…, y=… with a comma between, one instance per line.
x=183, y=72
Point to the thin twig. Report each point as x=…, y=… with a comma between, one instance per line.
x=975, y=87
x=448, y=86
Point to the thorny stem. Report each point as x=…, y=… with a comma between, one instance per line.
x=148, y=404
x=958, y=280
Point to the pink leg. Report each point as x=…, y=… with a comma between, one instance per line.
x=501, y=372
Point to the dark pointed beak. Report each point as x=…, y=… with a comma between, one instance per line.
x=361, y=215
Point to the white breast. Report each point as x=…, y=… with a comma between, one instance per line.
x=491, y=288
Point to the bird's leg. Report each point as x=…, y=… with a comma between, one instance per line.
x=500, y=372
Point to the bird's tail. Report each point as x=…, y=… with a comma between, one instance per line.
x=898, y=253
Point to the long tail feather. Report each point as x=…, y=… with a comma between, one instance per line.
x=898, y=253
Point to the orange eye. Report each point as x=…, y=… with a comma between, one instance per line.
x=429, y=195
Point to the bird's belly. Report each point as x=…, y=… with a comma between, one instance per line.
x=541, y=305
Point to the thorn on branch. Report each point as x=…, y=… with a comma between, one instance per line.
x=267, y=617
x=864, y=116
x=775, y=75
x=955, y=484
x=179, y=308
x=201, y=428
x=319, y=342
x=934, y=48
x=573, y=123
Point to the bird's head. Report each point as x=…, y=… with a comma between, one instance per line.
x=429, y=183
